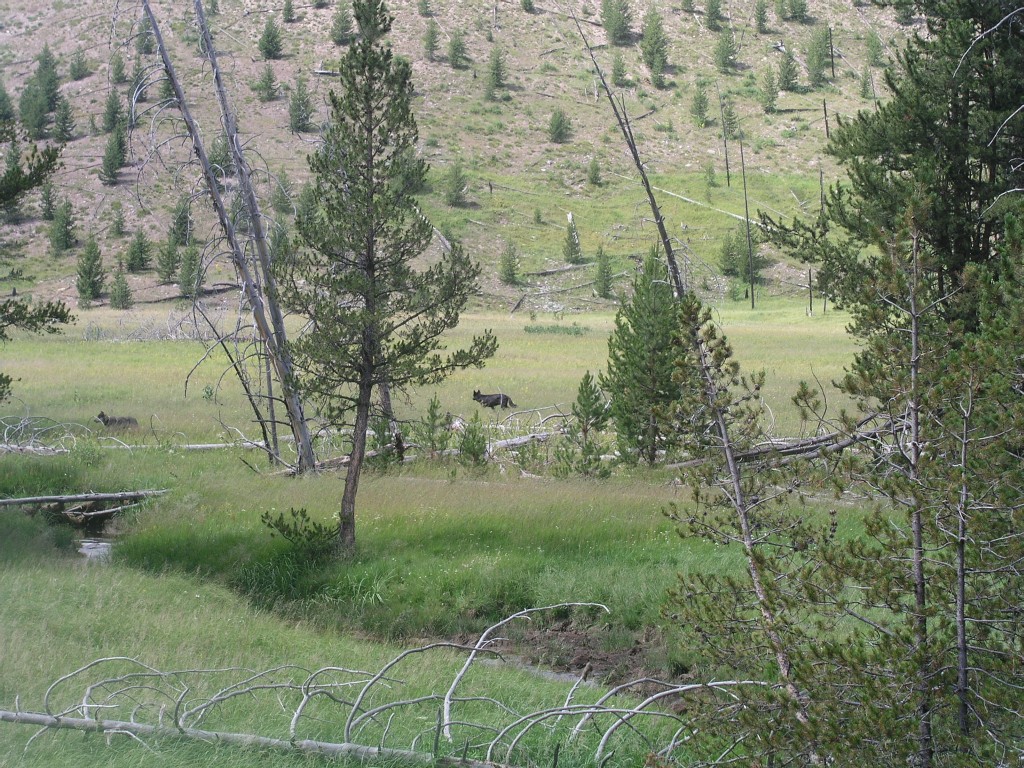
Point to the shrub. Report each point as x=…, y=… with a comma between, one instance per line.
x=527, y=5
x=270, y=43
x=618, y=70
x=560, y=127
x=423, y=8
x=120, y=292
x=62, y=228
x=138, y=255
x=473, y=447
x=594, y=172
x=616, y=20
x=457, y=58
x=118, y=75
x=78, y=69
x=455, y=183
x=266, y=86
x=699, y=106
x=430, y=38
x=508, y=265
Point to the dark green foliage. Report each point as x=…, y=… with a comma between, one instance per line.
x=320, y=4
x=288, y=12
x=271, y=44
x=190, y=273
x=457, y=58
x=508, y=264
x=430, y=39
x=725, y=52
x=33, y=111
x=120, y=292
x=168, y=261
x=91, y=274
x=873, y=46
x=139, y=254
x=179, y=231
x=300, y=107
x=212, y=7
x=788, y=73
x=47, y=200
x=594, y=172
x=735, y=258
x=713, y=15
x=572, y=252
x=433, y=432
x=473, y=445
x=641, y=362
x=699, y=105
x=310, y=538
x=281, y=193
x=47, y=78
x=423, y=8
x=618, y=70
x=781, y=10
x=579, y=452
x=266, y=87
x=769, y=93
x=145, y=42
x=374, y=315
x=798, y=11
x=527, y=5
x=63, y=121
x=654, y=46
x=62, y=229
x=23, y=171
x=602, y=273
x=138, y=80
x=114, y=155
x=616, y=20
x=495, y=79
x=730, y=121
x=78, y=68
x=819, y=52
x=341, y=25
x=7, y=113
x=761, y=16
x=113, y=111
x=117, y=224
x=559, y=127
x=454, y=185
x=867, y=84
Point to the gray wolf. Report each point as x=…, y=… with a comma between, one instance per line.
x=493, y=401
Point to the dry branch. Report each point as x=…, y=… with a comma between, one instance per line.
x=82, y=497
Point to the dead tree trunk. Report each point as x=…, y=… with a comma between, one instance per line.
x=272, y=331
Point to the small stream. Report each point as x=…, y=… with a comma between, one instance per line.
x=95, y=549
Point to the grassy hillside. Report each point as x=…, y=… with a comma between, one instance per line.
x=520, y=184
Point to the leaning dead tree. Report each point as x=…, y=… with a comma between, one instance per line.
x=379, y=715
x=257, y=281
x=710, y=381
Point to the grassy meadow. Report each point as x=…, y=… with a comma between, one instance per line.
x=196, y=579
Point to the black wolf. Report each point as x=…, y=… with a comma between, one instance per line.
x=117, y=422
x=493, y=401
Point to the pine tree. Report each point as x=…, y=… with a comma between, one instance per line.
x=423, y=8
x=281, y=193
x=168, y=261
x=180, y=230
x=47, y=77
x=32, y=111
x=713, y=14
x=725, y=52
x=559, y=127
x=798, y=11
x=602, y=273
x=508, y=264
x=47, y=200
x=641, y=362
x=266, y=86
x=63, y=121
x=288, y=12
x=138, y=80
x=138, y=256
x=457, y=50
x=113, y=111
x=300, y=107
x=572, y=252
x=270, y=43
x=117, y=224
x=7, y=113
x=374, y=318
x=699, y=105
x=190, y=273
x=341, y=25
x=761, y=16
x=769, y=94
x=788, y=73
x=430, y=40
x=730, y=121
x=495, y=80
x=120, y=292
x=654, y=45
x=78, y=68
x=62, y=228
x=579, y=452
x=874, y=51
x=867, y=85
x=145, y=43
x=594, y=172
x=118, y=75
x=617, y=20
x=91, y=275
x=618, y=70
x=115, y=155
x=455, y=183
x=818, y=52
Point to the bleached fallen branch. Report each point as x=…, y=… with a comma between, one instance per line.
x=120, y=695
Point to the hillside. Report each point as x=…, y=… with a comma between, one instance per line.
x=520, y=184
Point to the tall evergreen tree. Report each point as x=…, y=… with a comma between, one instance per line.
x=819, y=51
x=375, y=319
x=788, y=72
x=168, y=261
x=654, y=45
x=118, y=75
x=602, y=273
x=495, y=80
x=139, y=254
x=47, y=77
x=78, y=68
x=300, y=107
x=341, y=25
x=266, y=85
x=62, y=228
x=725, y=52
x=7, y=113
x=190, y=273
x=120, y=292
x=457, y=50
x=271, y=44
x=33, y=111
x=617, y=19
x=641, y=362
x=113, y=111
x=91, y=275
x=63, y=121
x=572, y=252
x=430, y=39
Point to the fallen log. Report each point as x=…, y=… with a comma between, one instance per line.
x=82, y=497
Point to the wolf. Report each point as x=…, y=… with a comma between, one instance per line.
x=117, y=422
x=493, y=401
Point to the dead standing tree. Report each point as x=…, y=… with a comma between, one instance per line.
x=258, y=283
x=708, y=380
